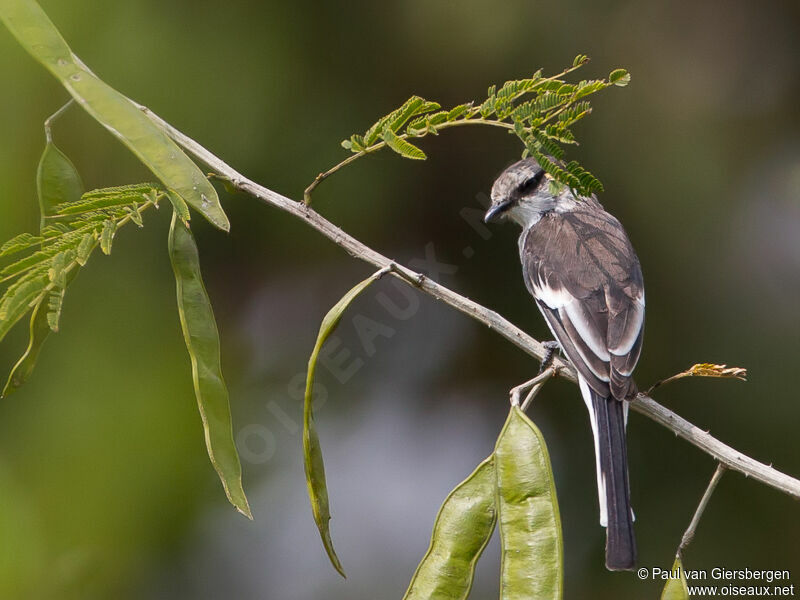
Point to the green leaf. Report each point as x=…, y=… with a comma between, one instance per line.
x=202, y=341
x=560, y=134
x=586, y=88
x=419, y=125
x=550, y=85
x=107, y=236
x=562, y=176
x=404, y=113
x=55, y=230
x=394, y=121
x=57, y=181
x=180, y=207
x=437, y=119
x=588, y=183
x=565, y=89
x=147, y=189
x=511, y=89
x=619, y=77
x=57, y=184
x=676, y=589
x=19, y=298
x=547, y=101
x=401, y=146
x=57, y=272
x=22, y=370
x=85, y=248
x=135, y=215
x=541, y=121
x=89, y=204
x=63, y=246
x=374, y=132
x=523, y=111
x=54, y=304
x=555, y=187
x=548, y=145
x=356, y=143
x=427, y=107
x=462, y=529
x=530, y=527
x=458, y=111
x=37, y=34
x=488, y=107
x=21, y=242
x=574, y=113
x=312, y=452
x=32, y=260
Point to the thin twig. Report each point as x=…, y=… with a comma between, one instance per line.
x=690, y=531
x=322, y=176
x=536, y=382
x=466, y=121
x=48, y=123
x=702, y=370
x=545, y=375
x=723, y=453
x=375, y=147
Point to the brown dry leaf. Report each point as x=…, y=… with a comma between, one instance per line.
x=712, y=370
x=704, y=370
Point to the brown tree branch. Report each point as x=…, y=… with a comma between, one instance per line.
x=643, y=404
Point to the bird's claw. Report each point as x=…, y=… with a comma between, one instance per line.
x=550, y=349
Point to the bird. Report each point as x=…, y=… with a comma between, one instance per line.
x=586, y=279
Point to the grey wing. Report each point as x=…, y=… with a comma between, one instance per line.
x=586, y=279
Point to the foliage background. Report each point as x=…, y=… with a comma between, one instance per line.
x=105, y=487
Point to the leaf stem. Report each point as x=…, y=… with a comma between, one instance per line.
x=48, y=123
x=375, y=147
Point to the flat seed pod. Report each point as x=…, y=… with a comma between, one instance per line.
x=312, y=452
x=462, y=529
x=530, y=526
x=676, y=589
x=202, y=342
x=57, y=181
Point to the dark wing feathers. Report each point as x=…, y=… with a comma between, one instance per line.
x=583, y=272
x=556, y=326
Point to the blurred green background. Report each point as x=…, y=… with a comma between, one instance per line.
x=105, y=487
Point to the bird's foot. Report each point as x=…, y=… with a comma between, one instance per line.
x=550, y=350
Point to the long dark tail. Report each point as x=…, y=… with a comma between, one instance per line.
x=613, y=464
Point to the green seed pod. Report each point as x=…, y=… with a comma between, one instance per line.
x=530, y=527
x=463, y=527
x=676, y=589
x=202, y=341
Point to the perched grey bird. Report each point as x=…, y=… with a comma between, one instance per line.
x=580, y=267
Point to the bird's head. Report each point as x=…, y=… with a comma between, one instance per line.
x=523, y=193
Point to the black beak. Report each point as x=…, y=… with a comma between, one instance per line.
x=496, y=210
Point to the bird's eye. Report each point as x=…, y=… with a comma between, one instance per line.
x=530, y=184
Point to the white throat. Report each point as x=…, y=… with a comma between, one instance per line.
x=528, y=211
x=526, y=214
